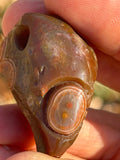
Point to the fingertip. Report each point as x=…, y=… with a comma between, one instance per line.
x=20, y=156
x=14, y=128
x=19, y=8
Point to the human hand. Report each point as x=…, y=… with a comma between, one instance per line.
x=99, y=136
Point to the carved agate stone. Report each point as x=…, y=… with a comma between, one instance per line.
x=51, y=72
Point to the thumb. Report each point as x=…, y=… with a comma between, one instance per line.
x=30, y=156
x=36, y=156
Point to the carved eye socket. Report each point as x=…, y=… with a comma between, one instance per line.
x=66, y=109
x=21, y=36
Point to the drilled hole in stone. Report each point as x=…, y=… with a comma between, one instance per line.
x=21, y=36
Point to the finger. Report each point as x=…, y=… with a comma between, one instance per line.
x=19, y=8
x=6, y=152
x=33, y=155
x=97, y=21
x=99, y=137
x=68, y=156
x=108, y=70
x=99, y=133
x=14, y=128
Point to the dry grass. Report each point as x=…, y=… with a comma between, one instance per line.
x=5, y=94
x=3, y=6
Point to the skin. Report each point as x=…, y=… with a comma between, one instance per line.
x=98, y=22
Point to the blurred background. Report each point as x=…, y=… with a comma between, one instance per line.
x=104, y=98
